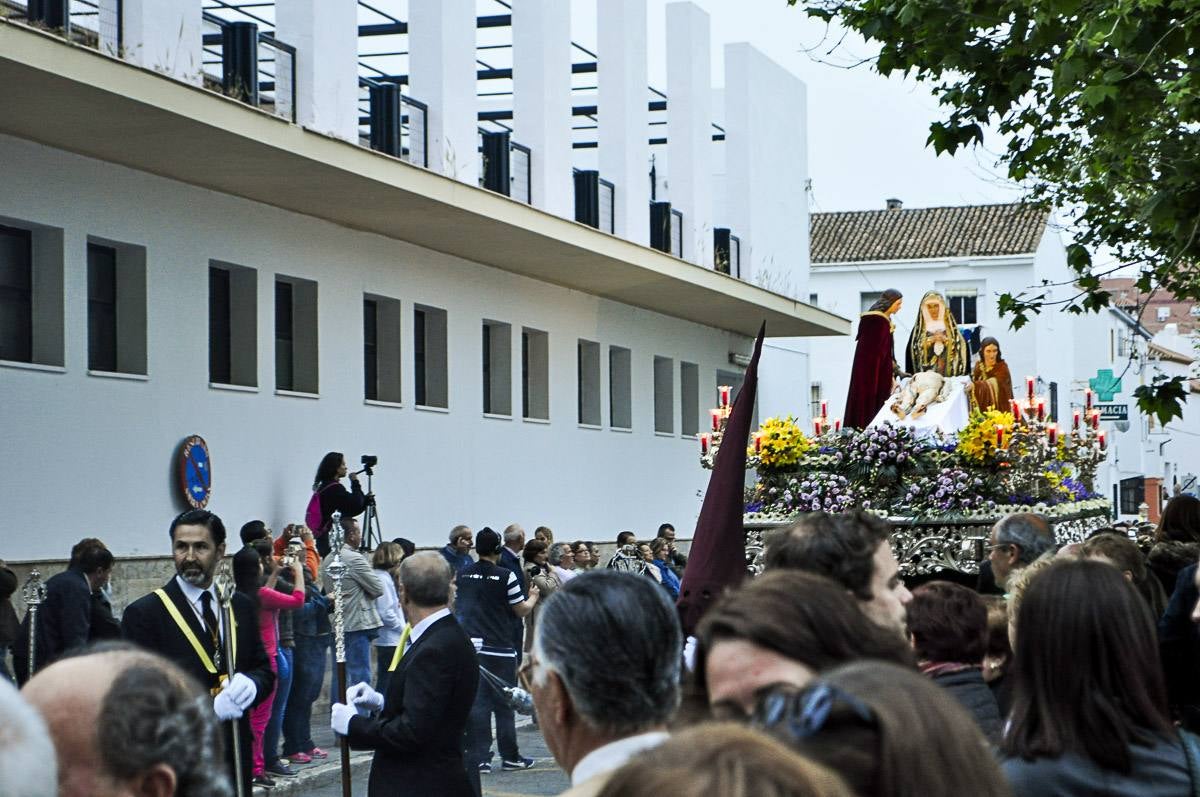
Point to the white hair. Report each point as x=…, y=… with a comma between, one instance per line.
x=28, y=765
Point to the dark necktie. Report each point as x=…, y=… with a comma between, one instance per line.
x=210, y=619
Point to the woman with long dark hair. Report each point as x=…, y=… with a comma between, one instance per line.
x=991, y=381
x=1089, y=711
x=888, y=731
x=334, y=497
x=256, y=574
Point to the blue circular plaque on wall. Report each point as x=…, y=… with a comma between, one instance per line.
x=195, y=472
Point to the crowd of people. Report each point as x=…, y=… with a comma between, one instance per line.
x=1066, y=670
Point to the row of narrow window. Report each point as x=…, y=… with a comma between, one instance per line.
x=116, y=313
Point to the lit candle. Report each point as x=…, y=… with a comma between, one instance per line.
x=1041, y=409
x=1103, y=441
x=1087, y=397
x=1075, y=420
x=716, y=419
x=837, y=425
x=703, y=444
x=1096, y=419
x=817, y=426
x=757, y=442
x=999, y=437
x=723, y=391
x=1052, y=434
x=1029, y=388
x=824, y=409
x=1016, y=410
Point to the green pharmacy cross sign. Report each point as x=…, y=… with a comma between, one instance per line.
x=1105, y=384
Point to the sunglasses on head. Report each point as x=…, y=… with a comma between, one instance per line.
x=803, y=714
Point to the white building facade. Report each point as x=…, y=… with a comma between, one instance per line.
x=971, y=255
x=178, y=262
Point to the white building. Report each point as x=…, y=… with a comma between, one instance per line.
x=175, y=261
x=1146, y=460
x=970, y=254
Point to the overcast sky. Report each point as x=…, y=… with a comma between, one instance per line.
x=866, y=133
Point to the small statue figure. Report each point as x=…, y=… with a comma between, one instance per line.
x=990, y=379
x=936, y=344
x=872, y=375
x=917, y=393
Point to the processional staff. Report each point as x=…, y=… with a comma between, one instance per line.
x=225, y=586
x=337, y=571
x=34, y=593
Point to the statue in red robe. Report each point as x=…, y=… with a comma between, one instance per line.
x=874, y=366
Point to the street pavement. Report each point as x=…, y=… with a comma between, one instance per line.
x=545, y=778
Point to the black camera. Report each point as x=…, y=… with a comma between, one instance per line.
x=369, y=460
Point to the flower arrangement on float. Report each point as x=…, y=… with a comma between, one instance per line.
x=1000, y=462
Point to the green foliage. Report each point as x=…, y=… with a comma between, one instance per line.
x=1100, y=103
x=1164, y=399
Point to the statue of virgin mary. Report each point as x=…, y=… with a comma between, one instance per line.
x=936, y=344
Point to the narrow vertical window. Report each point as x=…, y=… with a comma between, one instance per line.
x=370, y=349
x=220, y=327
x=16, y=295
x=285, y=370
x=102, y=308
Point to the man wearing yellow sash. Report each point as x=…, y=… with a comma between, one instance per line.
x=184, y=622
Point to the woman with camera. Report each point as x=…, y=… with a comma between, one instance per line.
x=333, y=497
x=257, y=575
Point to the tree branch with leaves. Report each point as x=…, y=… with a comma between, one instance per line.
x=1099, y=101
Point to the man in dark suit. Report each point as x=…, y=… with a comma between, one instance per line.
x=64, y=620
x=184, y=623
x=417, y=733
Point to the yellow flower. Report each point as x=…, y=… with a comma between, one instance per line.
x=783, y=444
x=977, y=442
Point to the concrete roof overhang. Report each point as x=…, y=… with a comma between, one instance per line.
x=73, y=98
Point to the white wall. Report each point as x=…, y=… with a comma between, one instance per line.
x=89, y=455
x=766, y=169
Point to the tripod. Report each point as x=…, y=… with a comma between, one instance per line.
x=372, y=534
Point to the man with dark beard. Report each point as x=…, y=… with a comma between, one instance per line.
x=184, y=623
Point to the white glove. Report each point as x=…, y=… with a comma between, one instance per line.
x=241, y=690
x=364, y=697
x=225, y=708
x=689, y=654
x=339, y=718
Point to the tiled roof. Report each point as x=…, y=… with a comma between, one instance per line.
x=926, y=233
x=1170, y=355
x=1179, y=312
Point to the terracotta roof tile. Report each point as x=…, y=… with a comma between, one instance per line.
x=1181, y=312
x=926, y=233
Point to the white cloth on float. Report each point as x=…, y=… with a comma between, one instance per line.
x=950, y=415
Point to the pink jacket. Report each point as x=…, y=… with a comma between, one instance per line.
x=269, y=603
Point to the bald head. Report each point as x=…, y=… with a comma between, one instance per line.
x=27, y=761
x=160, y=734
x=425, y=578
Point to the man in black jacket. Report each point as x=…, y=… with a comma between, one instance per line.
x=418, y=730
x=64, y=620
x=184, y=623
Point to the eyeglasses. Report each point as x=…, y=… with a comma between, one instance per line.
x=998, y=546
x=803, y=714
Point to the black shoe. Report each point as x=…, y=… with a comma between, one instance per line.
x=520, y=763
x=280, y=768
x=263, y=780
x=485, y=769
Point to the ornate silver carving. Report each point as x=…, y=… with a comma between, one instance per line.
x=925, y=546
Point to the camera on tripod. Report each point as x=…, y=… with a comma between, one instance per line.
x=369, y=461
